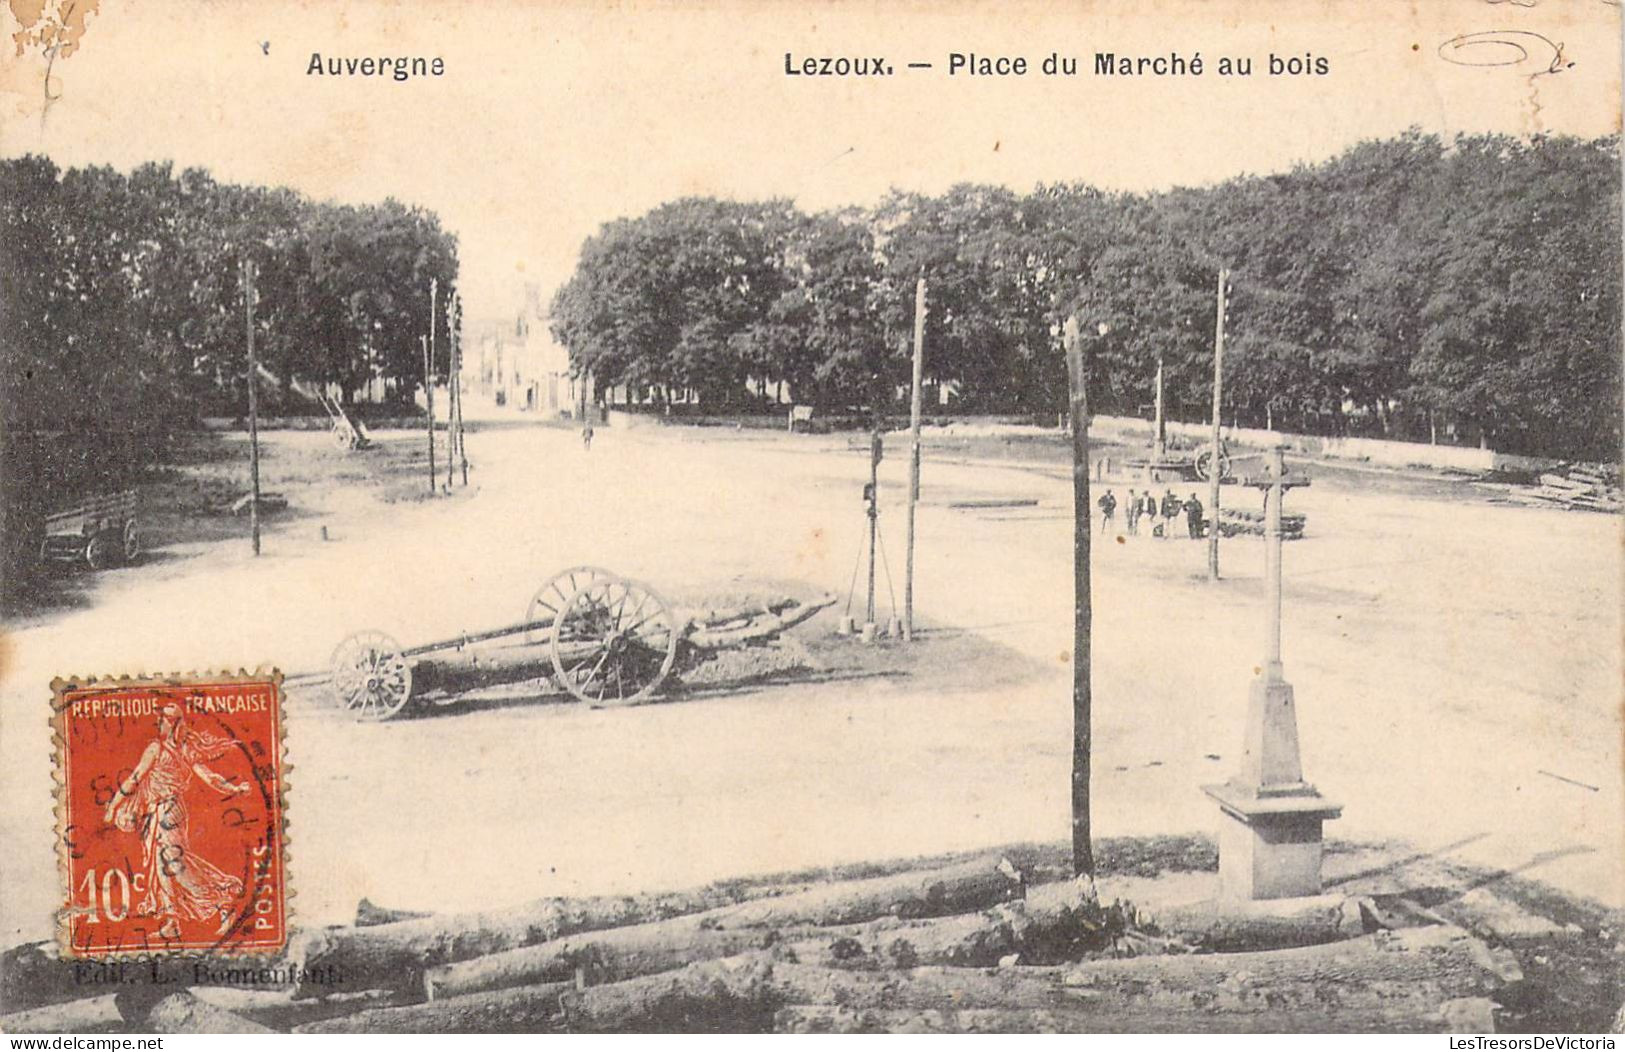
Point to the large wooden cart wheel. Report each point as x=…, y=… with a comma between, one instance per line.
x=132, y=542
x=1204, y=464
x=614, y=643
x=99, y=550
x=550, y=598
x=371, y=677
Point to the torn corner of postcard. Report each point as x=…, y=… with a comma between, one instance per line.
x=170, y=807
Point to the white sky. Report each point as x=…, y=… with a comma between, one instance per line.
x=553, y=118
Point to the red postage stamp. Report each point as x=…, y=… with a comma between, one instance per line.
x=170, y=815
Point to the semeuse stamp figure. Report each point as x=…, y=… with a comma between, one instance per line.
x=152, y=803
x=170, y=816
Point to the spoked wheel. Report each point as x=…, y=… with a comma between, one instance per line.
x=614, y=643
x=132, y=542
x=370, y=676
x=1204, y=464
x=98, y=550
x=550, y=598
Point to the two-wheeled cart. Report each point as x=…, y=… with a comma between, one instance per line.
x=605, y=639
x=97, y=533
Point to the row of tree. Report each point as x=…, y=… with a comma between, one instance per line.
x=124, y=299
x=1409, y=287
x=122, y=315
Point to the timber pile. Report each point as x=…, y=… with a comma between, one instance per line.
x=1575, y=487
x=965, y=948
x=270, y=503
x=1233, y=521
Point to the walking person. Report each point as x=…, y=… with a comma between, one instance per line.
x=1132, y=511
x=1193, y=518
x=1151, y=513
x=1108, y=509
x=1170, y=512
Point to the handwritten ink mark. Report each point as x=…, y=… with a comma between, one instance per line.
x=1505, y=47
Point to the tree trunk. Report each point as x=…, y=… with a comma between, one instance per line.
x=604, y=957
x=969, y=940
x=281, y=1010
x=628, y=952
x=833, y=1019
x=524, y=1009
x=369, y=916
x=1232, y=927
x=84, y=1016
x=975, y=885
x=1372, y=967
x=732, y=994
x=394, y=956
x=186, y=1013
x=1396, y=981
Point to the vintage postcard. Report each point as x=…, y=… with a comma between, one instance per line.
x=882, y=517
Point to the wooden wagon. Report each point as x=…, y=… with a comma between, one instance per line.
x=603, y=638
x=98, y=533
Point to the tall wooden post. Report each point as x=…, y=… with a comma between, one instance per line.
x=1217, y=467
x=253, y=407
x=428, y=372
x=914, y=453
x=452, y=394
x=874, y=510
x=462, y=435
x=1083, y=857
x=428, y=391
x=1159, y=433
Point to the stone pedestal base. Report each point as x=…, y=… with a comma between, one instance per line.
x=1270, y=846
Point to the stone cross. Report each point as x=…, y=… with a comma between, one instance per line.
x=1270, y=825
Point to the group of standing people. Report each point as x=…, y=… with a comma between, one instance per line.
x=1170, y=509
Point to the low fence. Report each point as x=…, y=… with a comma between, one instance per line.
x=314, y=423
x=1369, y=450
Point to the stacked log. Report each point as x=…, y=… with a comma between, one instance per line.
x=1397, y=981
x=643, y=949
x=1233, y=521
x=968, y=948
x=396, y=955
x=1576, y=487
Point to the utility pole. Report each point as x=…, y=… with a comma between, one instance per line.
x=914, y=453
x=454, y=326
x=253, y=407
x=462, y=435
x=872, y=493
x=428, y=373
x=451, y=387
x=428, y=390
x=1159, y=437
x=1083, y=857
x=1216, y=466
